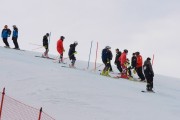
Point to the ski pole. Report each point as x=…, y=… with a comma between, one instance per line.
x=38, y=48
x=35, y=44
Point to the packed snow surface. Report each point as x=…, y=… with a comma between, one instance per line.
x=83, y=94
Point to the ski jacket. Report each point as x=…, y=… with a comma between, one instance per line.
x=72, y=50
x=15, y=33
x=139, y=61
x=117, y=57
x=122, y=58
x=106, y=55
x=133, y=61
x=45, y=40
x=148, y=71
x=5, y=33
x=60, y=47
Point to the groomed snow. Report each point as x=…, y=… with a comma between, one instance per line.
x=81, y=94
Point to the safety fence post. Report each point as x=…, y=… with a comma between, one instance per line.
x=2, y=100
x=40, y=112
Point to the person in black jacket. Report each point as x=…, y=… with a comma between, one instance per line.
x=106, y=58
x=46, y=45
x=149, y=74
x=15, y=37
x=117, y=62
x=133, y=61
x=72, y=53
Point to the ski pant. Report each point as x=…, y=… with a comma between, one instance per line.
x=15, y=42
x=140, y=73
x=46, y=50
x=110, y=66
x=124, y=71
x=118, y=64
x=73, y=58
x=61, y=58
x=6, y=42
x=129, y=71
x=107, y=67
x=149, y=85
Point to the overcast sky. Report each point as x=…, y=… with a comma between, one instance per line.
x=148, y=26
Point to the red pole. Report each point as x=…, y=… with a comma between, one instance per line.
x=2, y=100
x=96, y=55
x=40, y=112
x=153, y=59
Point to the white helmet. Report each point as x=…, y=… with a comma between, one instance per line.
x=108, y=47
x=75, y=42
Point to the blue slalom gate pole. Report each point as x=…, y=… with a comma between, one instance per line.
x=89, y=55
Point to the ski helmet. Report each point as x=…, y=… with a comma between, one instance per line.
x=62, y=37
x=75, y=42
x=137, y=53
x=47, y=34
x=125, y=50
x=148, y=58
x=108, y=47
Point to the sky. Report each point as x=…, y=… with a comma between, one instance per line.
x=79, y=94
x=148, y=26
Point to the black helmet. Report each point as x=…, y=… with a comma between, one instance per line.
x=137, y=53
x=47, y=34
x=62, y=37
x=125, y=50
x=148, y=58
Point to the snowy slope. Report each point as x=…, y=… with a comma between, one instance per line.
x=68, y=94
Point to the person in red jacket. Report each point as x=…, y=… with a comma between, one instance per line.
x=60, y=48
x=122, y=60
x=139, y=65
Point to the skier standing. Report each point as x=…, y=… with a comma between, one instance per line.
x=6, y=32
x=128, y=68
x=106, y=58
x=15, y=37
x=72, y=53
x=46, y=45
x=139, y=65
x=60, y=48
x=123, y=59
x=133, y=63
x=117, y=62
x=149, y=74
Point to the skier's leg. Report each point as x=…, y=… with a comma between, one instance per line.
x=61, y=58
x=6, y=42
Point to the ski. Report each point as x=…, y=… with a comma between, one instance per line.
x=145, y=91
x=45, y=57
x=13, y=48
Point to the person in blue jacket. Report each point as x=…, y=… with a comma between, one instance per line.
x=15, y=37
x=6, y=32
